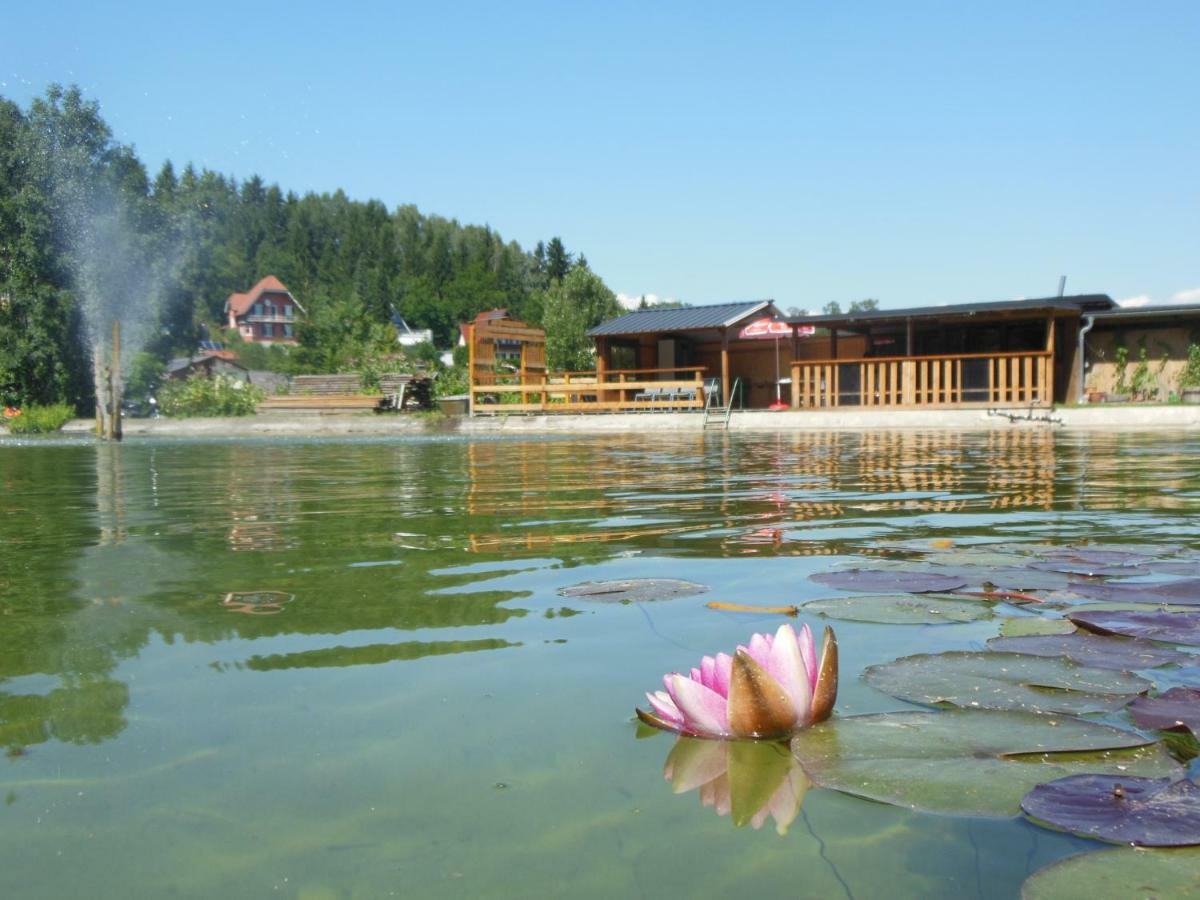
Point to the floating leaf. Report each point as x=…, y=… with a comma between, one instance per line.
x=886, y=581
x=966, y=762
x=1100, y=556
x=632, y=590
x=1085, y=568
x=1004, y=681
x=1153, y=625
x=1120, y=872
x=1176, y=710
x=1148, y=812
x=901, y=609
x=1092, y=650
x=1184, y=593
x=1023, y=625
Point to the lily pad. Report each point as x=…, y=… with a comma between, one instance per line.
x=902, y=609
x=1020, y=626
x=1092, y=650
x=875, y=581
x=1099, y=556
x=632, y=590
x=1153, y=625
x=1185, y=592
x=1085, y=568
x=1147, y=812
x=966, y=762
x=1175, y=710
x=1119, y=872
x=1004, y=681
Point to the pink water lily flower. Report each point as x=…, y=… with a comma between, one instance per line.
x=768, y=689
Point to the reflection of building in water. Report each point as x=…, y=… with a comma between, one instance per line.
x=755, y=495
x=619, y=492
x=261, y=495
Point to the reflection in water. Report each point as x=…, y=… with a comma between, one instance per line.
x=257, y=603
x=756, y=496
x=750, y=780
x=338, y=657
x=139, y=711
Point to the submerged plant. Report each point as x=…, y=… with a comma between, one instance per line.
x=768, y=689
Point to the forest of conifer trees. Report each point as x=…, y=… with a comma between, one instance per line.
x=184, y=239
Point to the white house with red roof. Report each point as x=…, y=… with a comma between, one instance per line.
x=265, y=314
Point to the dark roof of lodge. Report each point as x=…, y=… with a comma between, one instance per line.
x=682, y=318
x=1087, y=303
x=1161, y=311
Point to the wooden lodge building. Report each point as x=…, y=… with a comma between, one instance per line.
x=1016, y=353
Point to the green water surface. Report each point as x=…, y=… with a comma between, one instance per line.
x=324, y=669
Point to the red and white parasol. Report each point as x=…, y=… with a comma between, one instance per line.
x=768, y=328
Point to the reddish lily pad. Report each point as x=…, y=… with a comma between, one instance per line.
x=1005, y=681
x=1185, y=592
x=1118, y=872
x=1146, y=812
x=875, y=581
x=1153, y=625
x=1099, y=556
x=966, y=762
x=1175, y=710
x=1092, y=650
x=902, y=609
x=632, y=590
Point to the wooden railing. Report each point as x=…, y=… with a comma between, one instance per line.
x=969, y=379
x=614, y=390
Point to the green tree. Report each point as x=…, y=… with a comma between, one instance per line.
x=579, y=302
x=558, y=260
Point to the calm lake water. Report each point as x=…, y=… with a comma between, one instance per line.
x=324, y=669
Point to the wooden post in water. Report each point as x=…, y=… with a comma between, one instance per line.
x=115, y=391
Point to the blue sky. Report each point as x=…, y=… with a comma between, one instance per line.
x=918, y=152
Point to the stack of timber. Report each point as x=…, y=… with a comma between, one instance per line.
x=334, y=394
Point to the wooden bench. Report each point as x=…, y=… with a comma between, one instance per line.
x=343, y=393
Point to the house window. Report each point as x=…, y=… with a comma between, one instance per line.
x=268, y=330
x=287, y=311
x=287, y=329
x=257, y=309
x=269, y=308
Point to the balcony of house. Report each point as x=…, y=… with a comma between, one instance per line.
x=260, y=318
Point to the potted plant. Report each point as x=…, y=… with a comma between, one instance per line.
x=1189, y=378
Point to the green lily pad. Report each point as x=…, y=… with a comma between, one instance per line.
x=632, y=590
x=902, y=609
x=886, y=581
x=967, y=762
x=1021, y=626
x=1093, y=650
x=1120, y=872
x=1004, y=681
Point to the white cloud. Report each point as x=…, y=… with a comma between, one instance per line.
x=1139, y=300
x=633, y=301
x=1191, y=295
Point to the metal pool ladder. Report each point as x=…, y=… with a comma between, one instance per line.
x=716, y=416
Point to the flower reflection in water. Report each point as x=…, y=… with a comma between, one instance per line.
x=750, y=780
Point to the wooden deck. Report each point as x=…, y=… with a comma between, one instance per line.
x=612, y=390
x=899, y=382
